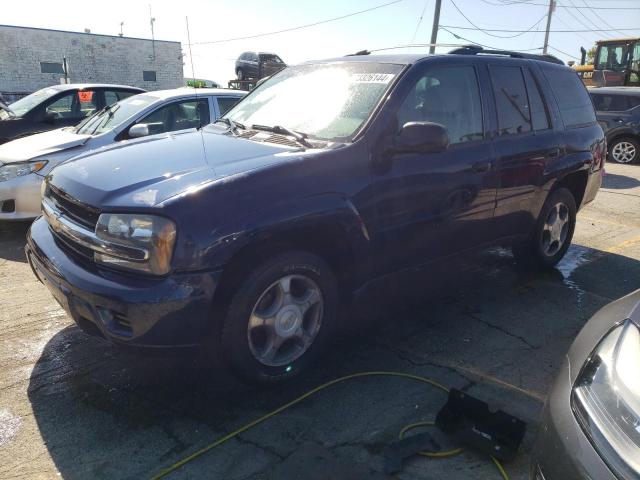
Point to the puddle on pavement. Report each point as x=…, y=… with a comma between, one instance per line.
x=576, y=256
x=9, y=426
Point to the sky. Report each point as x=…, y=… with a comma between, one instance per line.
x=391, y=25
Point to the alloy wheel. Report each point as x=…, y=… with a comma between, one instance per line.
x=556, y=229
x=623, y=152
x=285, y=320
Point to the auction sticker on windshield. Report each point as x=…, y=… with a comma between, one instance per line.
x=372, y=77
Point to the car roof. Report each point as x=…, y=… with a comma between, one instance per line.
x=635, y=91
x=84, y=86
x=184, y=91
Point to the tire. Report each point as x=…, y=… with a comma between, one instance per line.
x=624, y=150
x=276, y=316
x=540, y=250
x=240, y=74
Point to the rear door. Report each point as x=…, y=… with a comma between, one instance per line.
x=430, y=205
x=525, y=141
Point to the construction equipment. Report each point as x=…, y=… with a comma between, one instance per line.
x=616, y=63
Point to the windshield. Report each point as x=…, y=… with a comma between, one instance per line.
x=613, y=57
x=327, y=101
x=117, y=114
x=27, y=103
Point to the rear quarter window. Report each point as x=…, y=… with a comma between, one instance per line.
x=573, y=100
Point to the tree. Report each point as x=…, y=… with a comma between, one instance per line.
x=591, y=55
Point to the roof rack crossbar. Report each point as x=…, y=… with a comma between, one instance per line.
x=476, y=49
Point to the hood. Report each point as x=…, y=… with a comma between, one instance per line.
x=40, y=144
x=147, y=172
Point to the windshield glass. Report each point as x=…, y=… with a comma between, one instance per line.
x=612, y=57
x=27, y=103
x=110, y=118
x=327, y=101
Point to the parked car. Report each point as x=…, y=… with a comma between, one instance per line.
x=618, y=111
x=243, y=236
x=257, y=65
x=591, y=422
x=58, y=106
x=24, y=162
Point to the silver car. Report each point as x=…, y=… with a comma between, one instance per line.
x=24, y=162
x=591, y=421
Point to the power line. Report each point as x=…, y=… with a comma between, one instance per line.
x=300, y=27
x=526, y=31
x=490, y=34
x=606, y=24
x=443, y=27
x=525, y=2
x=424, y=9
x=564, y=53
x=593, y=25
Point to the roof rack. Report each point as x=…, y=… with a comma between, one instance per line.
x=477, y=49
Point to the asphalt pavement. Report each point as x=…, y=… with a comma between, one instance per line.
x=75, y=407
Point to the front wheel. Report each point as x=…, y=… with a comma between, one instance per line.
x=624, y=150
x=552, y=234
x=280, y=317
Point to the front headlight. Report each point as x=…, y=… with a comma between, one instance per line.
x=12, y=170
x=147, y=240
x=606, y=400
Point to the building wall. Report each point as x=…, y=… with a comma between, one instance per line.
x=91, y=59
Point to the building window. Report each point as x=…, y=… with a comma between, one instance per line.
x=149, y=76
x=50, y=67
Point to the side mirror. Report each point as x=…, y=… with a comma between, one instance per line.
x=421, y=137
x=139, y=130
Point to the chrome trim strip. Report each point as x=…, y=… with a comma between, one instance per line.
x=77, y=233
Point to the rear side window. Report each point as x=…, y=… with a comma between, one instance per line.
x=614, y=103
x=539, y=116
x=575, y=104
x=511, y=100
x=225, y=104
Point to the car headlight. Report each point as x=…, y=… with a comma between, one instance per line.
x=147, y=240
x=12, y=170
x=606, y=399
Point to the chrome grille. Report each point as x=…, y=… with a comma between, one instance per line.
x=80, y=213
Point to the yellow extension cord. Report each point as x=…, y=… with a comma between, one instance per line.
x=308, y=394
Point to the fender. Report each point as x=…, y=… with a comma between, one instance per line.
x=316, y=212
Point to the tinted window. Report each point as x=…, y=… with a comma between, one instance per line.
x=63, y=106
x=178, y=116
x=614, y=103
x=73, y=105
x=113, y=96
x=225, y=104
x=572, y=97
x=539, y=116
x=511, y=100
x=449, y=96
x=87, y=103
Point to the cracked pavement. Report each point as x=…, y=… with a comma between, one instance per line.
x=75, y=407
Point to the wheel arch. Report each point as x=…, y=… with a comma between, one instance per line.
x=576, y=183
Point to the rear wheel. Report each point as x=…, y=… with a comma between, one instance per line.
x=552, y=234
x=280, y=317
x=624, y=150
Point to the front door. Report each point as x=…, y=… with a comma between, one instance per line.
x=431, y=205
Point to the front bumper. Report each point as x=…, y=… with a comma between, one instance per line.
x=25, y=193
x=172, y=311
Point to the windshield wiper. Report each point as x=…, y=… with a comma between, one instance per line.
x=233, y=126
x=278, y=129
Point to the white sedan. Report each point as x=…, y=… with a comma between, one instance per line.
x=26, y=161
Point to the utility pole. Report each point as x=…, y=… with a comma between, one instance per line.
x=434, y=28
x=552, y=7
x=153, y=38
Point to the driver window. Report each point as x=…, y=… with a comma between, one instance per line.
x=62, y=107
x=449, y=96
x=178, y=116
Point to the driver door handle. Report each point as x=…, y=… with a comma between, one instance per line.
x=481, y=167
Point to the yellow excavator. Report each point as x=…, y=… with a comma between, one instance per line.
x=616, y=64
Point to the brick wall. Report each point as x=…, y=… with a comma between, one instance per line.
x=91, y=59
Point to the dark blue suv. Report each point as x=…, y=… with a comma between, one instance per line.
x=244, y=235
